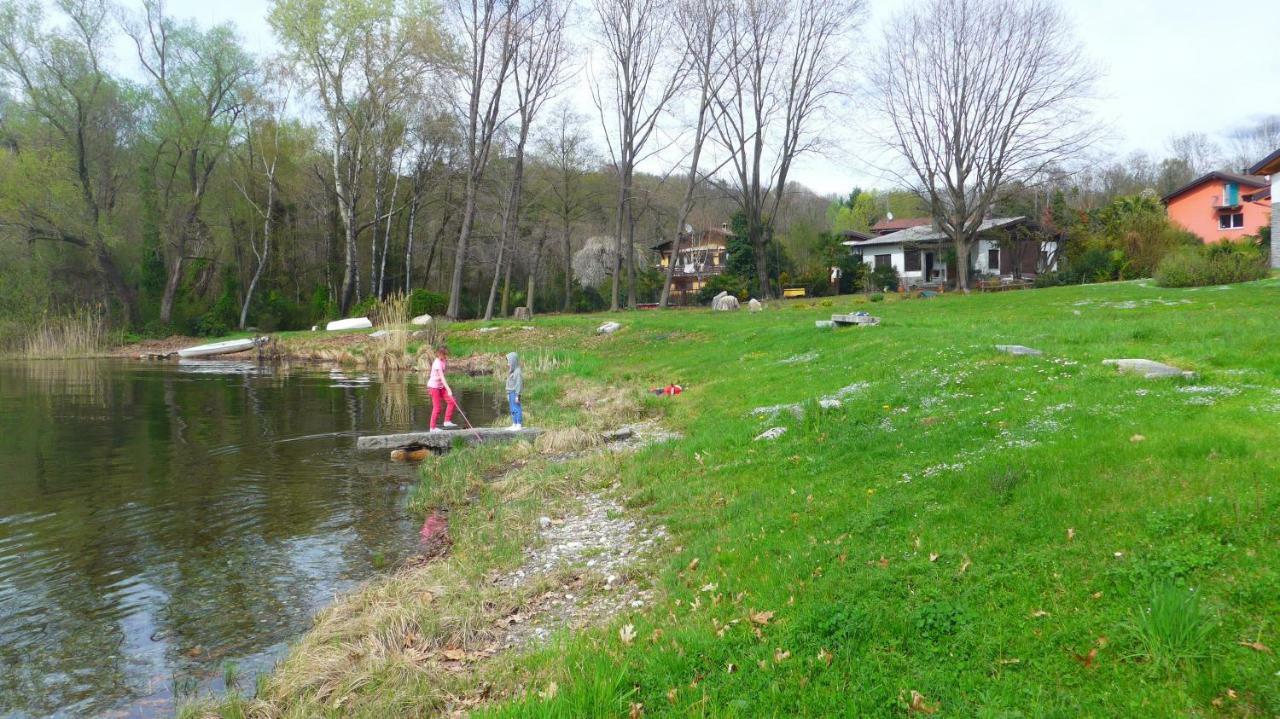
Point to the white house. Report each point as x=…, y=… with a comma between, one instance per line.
x=923, y=255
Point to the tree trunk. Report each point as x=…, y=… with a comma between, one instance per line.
x=497, y=274
x=631, y=258
x=408, y=241
x=533, y=272
x=762, y=260
x=568, y=268
x=460, y=254
x=506, y=286
x=171, y=288
x=617, y=247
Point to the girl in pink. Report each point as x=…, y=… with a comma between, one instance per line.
x=441, y=392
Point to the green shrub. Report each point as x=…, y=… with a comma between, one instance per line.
x=732, y=284
x=422, y=302
x=1217, y=264
x=877, y=297
x=882, y=277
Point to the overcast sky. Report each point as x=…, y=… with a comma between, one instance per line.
x=1169, y=67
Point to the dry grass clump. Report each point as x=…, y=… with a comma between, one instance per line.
x=389, y=351
x=82, y=333
x=603, y=406
x=563, y=440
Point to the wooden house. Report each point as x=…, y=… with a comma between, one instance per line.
x=698, y=258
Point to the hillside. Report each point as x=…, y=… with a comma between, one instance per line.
x=968, y=532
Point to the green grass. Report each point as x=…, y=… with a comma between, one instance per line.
x=985, y=530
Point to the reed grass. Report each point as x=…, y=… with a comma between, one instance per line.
x=82, y=333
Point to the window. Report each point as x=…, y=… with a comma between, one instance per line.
x=912, y=261
x=993, y=259
x=1231, y=221
x=884, y=261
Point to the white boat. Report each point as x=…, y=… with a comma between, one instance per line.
x=353, y=323
x=221, y=348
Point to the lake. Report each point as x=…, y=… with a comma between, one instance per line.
x=160, y=521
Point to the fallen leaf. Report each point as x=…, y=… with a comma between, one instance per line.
x=1071, y=534
x=730, y=668
x=637, y=710
x=1231, y=694
x=780, y=655
x=824, y=656
x=550, y=691
x=671, y=695
x=884, y=562
x=1096, y=595
x=762, y=617
x=762, y=664
x=1137, y=438
x=709, y=587
x=919, y=704
x=1102, y=641
x=1039, y=613
x=1086, y=660
x=693, y=565
x=627, y=634
x=454, y=655
x=933, y=556
x=916, y=542
x=1256, y=646
x=964, y=566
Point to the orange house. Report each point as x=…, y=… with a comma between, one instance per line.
x=1221, y=205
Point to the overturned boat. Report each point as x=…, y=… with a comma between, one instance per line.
x=222, y=348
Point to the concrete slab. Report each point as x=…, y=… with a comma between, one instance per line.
x=1019, y=350
x=445, y=439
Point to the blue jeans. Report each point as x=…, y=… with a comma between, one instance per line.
x=517, y=412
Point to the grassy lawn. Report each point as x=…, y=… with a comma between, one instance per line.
x=971, y=533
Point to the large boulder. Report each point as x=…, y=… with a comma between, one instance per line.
x=608, y=328
x=755, y=305
x=421, y=320
x=724, y=302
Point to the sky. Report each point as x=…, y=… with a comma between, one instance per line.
x=1169, y=67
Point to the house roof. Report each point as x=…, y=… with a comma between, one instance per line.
x=1263, y=194
x=1270, y=165
x=1250, y=180
x=902, y=223
x=723, y=232
x=855, y=236
x=928, y=234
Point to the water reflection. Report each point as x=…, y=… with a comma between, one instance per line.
x=156, y=520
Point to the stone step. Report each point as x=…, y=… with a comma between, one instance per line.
x=445, y=439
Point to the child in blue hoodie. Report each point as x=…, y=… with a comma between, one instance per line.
x=515, y=385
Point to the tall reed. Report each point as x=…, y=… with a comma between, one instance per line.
x=82, y=333
x=391, y=316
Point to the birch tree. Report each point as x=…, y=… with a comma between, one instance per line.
x=986, y=93
x=358, y=55
x=566, y=149
x=782, y=61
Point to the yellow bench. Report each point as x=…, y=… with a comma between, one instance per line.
x=792, y=292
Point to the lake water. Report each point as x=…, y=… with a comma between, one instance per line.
x=158, y=521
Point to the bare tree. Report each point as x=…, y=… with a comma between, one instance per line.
x=630, y=96
x=783, y=61
x=1200, y=154
x=487, y=29
x=566, y=149
x=1250, y=143
x=699, y=22
x=981, y=93
x=536, y=75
